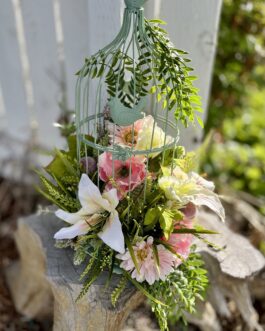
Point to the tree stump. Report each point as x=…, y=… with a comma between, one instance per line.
x=45, y=280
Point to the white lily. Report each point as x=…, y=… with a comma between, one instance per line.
x=93, y=205
x=184, y=188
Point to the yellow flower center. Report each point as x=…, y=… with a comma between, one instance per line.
x=130, y=137
x=142, y=255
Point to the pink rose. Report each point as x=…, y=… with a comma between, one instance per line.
x=123, y=175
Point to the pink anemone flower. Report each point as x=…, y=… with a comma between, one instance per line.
x=125, y=135
x=123, y=175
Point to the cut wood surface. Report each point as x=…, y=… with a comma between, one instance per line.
x=237, y=258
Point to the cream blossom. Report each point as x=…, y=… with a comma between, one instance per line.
x=149, y=270
x=151, y=136
x=182, y=188
x=93, y=206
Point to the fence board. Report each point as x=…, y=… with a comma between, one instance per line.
x=193, y=26
x=15, y=120
x=87, y=26
x=74, y=17
x=45, y=70
x=104, y=22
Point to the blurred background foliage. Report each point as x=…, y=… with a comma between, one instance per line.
x=236, y=155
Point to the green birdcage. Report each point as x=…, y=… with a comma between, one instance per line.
x=140, y=77
x=131, y=190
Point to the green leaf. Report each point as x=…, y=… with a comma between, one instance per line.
x=166, y=221
x=131, y=251
x=155, y=251
x=157, y=21
x=94, y=73
x=196, y=230
x=153, y=89
x=200, y=121
x=50, y=198
x=151, y=217
x=68, y=165
x=101, y=70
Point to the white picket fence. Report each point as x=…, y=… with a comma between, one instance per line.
x=44, y=42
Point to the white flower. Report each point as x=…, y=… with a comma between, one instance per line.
x=151, y=136
x=184, y=188
x=93, y=206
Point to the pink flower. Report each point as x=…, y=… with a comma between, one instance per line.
x=189, y=211
x=181, y=242
x=123, y=175
x=125, y=135
x=148, y=269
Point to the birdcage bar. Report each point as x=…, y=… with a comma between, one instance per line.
x=131, y=44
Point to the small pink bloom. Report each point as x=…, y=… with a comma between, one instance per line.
x=123, y=175
x=125, y=135
x=149, y=270
x=88, y=164
x=181, y=242
x=189, y=211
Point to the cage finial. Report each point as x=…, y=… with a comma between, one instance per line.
x=135, y=4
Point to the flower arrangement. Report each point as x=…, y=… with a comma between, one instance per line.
x=127, y=193
x=135, y=217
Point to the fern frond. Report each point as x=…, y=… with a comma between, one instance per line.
x=50, y=198
x=87, y=285
x=118, y=290
x=90, y=264
x=70, y=180
x=58, y=196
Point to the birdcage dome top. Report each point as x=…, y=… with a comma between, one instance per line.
x=139, y=82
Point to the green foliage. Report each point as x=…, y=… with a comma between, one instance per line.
x=179, y=291
x=174, y=86
x=82, y=246
x=236, y=158
x=240, y=59
x=58, y=196
x=97, y=262
x=164, y=216
x=118, y=290
x=161, y=70
x=188, y=162
x=61, y=177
